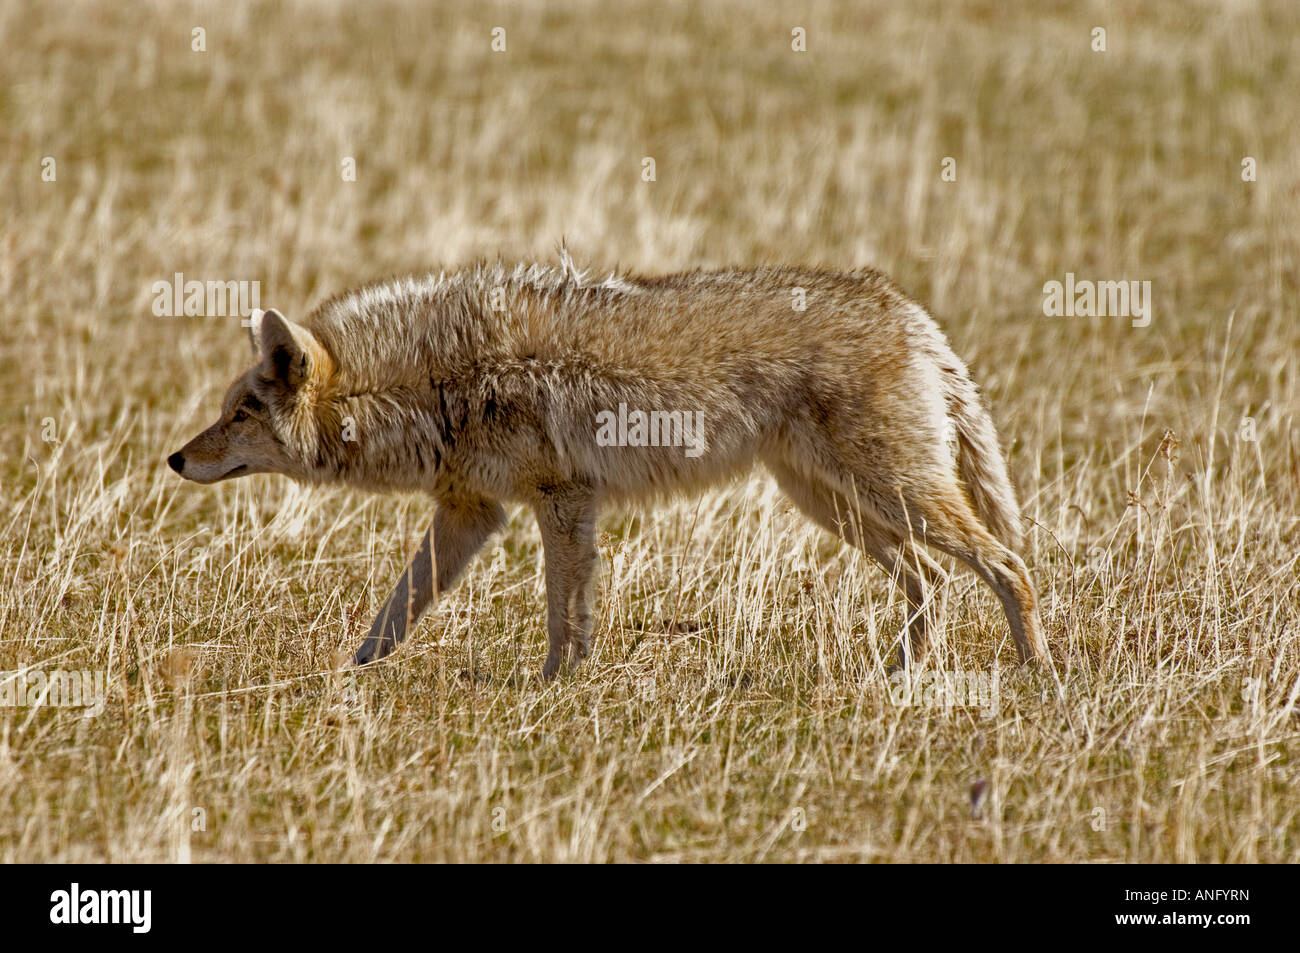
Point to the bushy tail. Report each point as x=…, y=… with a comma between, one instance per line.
x=980, y=463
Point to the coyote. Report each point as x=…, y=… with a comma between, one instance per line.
x=514, y=383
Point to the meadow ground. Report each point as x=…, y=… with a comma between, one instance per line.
x=736, y=707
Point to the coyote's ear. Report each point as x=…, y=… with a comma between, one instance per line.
x=255, y=330
x=288, y=350
x=255, y=317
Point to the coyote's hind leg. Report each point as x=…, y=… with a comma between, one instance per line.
x=913, y=569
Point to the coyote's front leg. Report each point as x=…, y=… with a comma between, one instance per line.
x=459, y=530
x=566, y=517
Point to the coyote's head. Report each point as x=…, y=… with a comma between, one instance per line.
x=268, y=422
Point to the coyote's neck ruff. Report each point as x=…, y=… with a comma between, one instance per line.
x=537, y=385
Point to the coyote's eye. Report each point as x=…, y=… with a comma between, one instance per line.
x=249, y=405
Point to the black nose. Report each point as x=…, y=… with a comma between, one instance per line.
x=176, y=461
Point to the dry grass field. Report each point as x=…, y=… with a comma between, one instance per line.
x=737, y=705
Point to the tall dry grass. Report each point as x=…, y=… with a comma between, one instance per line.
x=736, y=706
